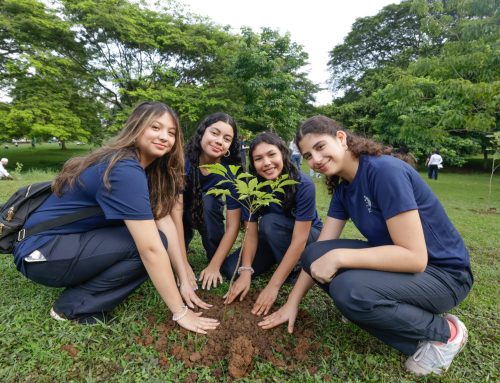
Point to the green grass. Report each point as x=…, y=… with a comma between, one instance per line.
x=43, y=156
x=30, y=342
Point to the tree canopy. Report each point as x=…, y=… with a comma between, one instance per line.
x=74, y=69
x=422, y=74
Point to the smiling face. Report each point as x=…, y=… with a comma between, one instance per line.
x=157, y=139
x=328, y=154
x=216, y=141
x=267, y=160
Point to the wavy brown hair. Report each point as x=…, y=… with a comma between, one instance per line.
x=165, y=174
x=357, y=145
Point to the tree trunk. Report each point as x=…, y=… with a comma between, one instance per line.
x=485, y=158
x=63, y=145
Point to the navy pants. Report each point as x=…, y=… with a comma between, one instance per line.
x=296, y=160
x=400, y=309
x=275, y=236
x=99, y=269
x=432, y=172
x=213, y=225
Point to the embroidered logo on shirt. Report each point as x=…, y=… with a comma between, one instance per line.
x=368, y=203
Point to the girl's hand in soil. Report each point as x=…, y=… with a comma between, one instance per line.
x=191, y=277
x=209, y=277
x=191, y=298
x=287, y=313
x=195, y=322
x=240, y=287
x=265, y=300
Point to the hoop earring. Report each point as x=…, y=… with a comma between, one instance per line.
x=228, y=153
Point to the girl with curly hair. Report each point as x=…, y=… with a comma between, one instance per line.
x=413, y=266
x=215, y=141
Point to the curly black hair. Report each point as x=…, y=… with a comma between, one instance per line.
x=193, y=151
x=288, y=166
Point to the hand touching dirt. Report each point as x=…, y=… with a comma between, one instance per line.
x=191, y=277
x=195, y=322
x=189, y=296
x=240, y=287
x=287, y=313
x=209, y=277
x=265, y=300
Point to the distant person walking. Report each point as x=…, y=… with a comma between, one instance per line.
x=4, y=174
x=434, y=162
x=243, y=152
x=296, y=156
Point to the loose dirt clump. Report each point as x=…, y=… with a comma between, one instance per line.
x=238, y=342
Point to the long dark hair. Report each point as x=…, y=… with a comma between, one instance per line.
x=165, y=174
x=193, y=151
x=357, y=145
x=288, y=166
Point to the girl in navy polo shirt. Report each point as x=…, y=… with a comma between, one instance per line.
x=135, y=180
x=215, y=141
x=277, y=234
x=414, y=265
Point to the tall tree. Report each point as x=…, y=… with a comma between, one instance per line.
x=445, y=99
x=268, y=70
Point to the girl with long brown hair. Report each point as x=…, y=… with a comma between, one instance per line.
x=135, y=180
x=413, y=267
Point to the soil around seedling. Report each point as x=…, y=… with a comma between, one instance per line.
x=238, y=343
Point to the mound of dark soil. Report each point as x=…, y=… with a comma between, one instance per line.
x=238, y=342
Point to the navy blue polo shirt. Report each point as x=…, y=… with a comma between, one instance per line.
x=128, y=199
x=384, y=187
x=304, y=208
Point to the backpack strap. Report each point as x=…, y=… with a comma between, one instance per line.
x=59, y=221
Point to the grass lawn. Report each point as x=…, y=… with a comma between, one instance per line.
x=35, y=348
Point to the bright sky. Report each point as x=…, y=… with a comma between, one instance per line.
x=318, y=25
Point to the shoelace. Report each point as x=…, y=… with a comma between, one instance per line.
x=424, y=349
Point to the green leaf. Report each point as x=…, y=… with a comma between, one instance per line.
x=221, y=182
x=234, y=169
x=215, y=169
x=244, y=175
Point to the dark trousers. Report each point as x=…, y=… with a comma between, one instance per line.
x=213, y=227
x=432, y=172
x=275, y=236
x=296, y=160
x=400, y=309
x=99, y=269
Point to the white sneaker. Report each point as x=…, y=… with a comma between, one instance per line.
x=436, y=357
x=55, y=315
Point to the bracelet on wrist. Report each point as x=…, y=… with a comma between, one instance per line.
x=246, y=268
x=182, y=314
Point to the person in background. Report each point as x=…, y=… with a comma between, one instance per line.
x=277, y=234
x=215, y=141
x=4, y=174
x=296, y=156
x=434, y=163
x=136, y=180
x=243, y=153
x=413, y=267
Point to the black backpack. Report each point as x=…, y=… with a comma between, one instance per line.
x=17, y=209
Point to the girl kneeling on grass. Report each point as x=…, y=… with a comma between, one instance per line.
x=277, y=234
x=414, y=265
x=215, y=141
x=135, y=180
